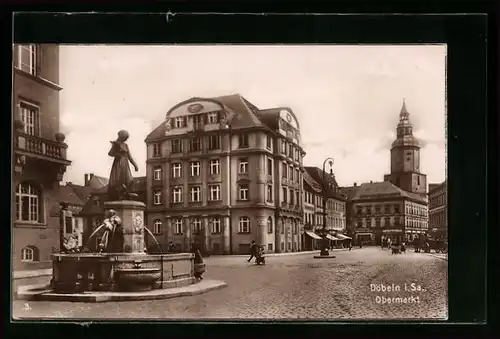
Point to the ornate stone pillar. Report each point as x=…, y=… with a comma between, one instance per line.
x=261, y=230
x=131, y=214
x=206, y=233
x=278, y=236
x=226, y=236
x=187, y=233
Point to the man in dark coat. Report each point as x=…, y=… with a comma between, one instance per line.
x=253, y=251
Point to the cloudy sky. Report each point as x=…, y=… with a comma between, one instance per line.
x=347, y=98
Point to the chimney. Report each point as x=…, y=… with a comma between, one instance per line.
x=355, y=184
x=86, y=179
x=371, y=182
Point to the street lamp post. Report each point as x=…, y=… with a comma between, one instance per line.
x=325, y=185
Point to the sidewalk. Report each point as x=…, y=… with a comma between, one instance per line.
x=280, y=254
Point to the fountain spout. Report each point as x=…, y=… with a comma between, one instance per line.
x=154, y=238
x=93, y=233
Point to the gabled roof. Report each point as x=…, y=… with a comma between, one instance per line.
x=383, y=188
x=83, y=192
x=310, y=184
x=332, y=187
x=68, y=195
x=93, y=206
x=97, y=181
x=349, y=191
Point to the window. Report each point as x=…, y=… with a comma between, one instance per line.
x=269, y=142
x=28, y=199
x=27, y=58
x=215, y=225
x=29, y=253
x=360, y=222
x=179, y=122
x=157, y=226
x=178, y=226
x=195, y=193
x=213, y=117
x=291, y=173
x=418, y=180
x=157, y=173
x=292, y=197
x=195, y=168
x=243, y=168
x=387, y=222
x=214, y=166
x=243, y=140
x=244, y=225
x=387, y=209
x=290, y=151
x=195, y=144
x=176, y=195
x=284, y=170
x=377, y=209
x=269, y=193
x=196, y=225
x=156, y=150
x=297, y=200
x=270, y=225
x=269, y=166
x=297, y=175
x=214, y=191
x=377, y=222
x=177, y=146
x=29, y=114
x=157, y=197
x=283, y=146
x=285, y=198
x=243, y=192
x=213, y=142
x=177, y=170
x=269, y=247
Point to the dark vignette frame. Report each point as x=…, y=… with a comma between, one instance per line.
x=467, y=124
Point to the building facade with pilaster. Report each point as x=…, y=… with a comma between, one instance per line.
x=221, y=173
x=39, y=155
x=438, y=210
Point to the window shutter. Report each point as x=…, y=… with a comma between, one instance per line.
x=38, y=54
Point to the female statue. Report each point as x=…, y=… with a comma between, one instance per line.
x=120, y=178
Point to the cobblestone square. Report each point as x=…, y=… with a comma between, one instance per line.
x=290, y=287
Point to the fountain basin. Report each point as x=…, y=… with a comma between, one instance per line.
x=81, y=272
x=137, y=279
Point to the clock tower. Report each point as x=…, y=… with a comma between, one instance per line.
x=405, y=158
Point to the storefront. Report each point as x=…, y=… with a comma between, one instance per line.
x=311, y=241
x=364, y=236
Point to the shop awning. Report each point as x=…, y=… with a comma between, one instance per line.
x=331, y=237
x=313, y=235
x=342, y=237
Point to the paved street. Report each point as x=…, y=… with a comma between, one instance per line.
x=296, y=287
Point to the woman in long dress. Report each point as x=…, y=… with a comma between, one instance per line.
x=120, y=178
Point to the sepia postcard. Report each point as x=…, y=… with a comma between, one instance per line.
x=232, y=182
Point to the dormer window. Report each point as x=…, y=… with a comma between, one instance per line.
x=179, y=122
x=213, y=118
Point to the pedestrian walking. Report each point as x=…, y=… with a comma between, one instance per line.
x=253, y=251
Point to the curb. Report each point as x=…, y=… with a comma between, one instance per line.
x=43, y=292
x=275, y=254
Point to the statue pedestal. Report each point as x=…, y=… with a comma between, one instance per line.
x=131, y=214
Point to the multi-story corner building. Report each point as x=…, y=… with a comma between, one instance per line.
x=397, y=207
x=222, y=172
x=438, y=210
x=379, y=210
x=39, y=155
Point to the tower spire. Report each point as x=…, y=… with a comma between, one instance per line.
x=404, y=112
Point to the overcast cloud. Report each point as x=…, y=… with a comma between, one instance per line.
x=347, y=98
